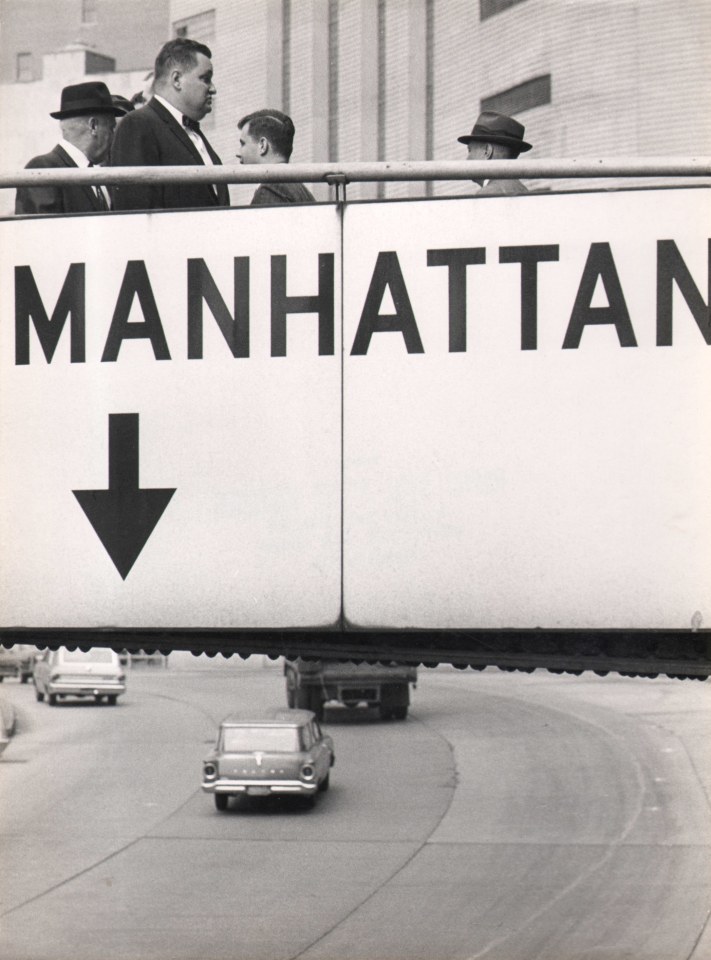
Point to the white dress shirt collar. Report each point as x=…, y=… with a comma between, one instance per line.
x=193, y=134
x=170, y=108
x=82, y=160
x=75, y=153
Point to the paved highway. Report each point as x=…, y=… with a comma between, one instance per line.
x=511, y=817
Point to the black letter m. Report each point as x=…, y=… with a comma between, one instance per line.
x=29, y=306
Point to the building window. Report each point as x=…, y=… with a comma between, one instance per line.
x=88, y=11
x=524, y=96
x=489, y=8
x=200, y=27
x=23, y=68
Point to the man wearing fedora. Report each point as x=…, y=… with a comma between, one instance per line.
x=87, y=119
x=496, y=137
x=166, y=132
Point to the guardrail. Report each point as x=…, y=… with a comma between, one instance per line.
x=357, y=172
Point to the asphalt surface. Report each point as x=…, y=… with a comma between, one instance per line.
x=511, y=816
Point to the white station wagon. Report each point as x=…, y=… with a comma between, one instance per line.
x=93, y=673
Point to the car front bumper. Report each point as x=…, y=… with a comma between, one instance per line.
x=260, y=788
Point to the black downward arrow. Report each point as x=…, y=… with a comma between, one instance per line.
x=123, y=516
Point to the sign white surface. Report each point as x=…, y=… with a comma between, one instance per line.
x=540, y=474
x=250, y=444
x=507, y=424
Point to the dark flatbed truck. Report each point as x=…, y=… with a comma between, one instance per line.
x=310, y=684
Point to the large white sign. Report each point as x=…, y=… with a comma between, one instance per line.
x=527, y=439
x=504, y=424
x=170, y=420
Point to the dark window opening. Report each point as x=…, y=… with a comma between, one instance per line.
x=23, y=68
x=524, y=96
x=489, y=8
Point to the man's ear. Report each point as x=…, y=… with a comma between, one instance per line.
x=488, y=151
x=263, y=146
x=175, y=78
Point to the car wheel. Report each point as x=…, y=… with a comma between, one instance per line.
x=400, y=713
x=52, y=699
x=24, y=678
x=325, y=783
x=221, y=801
x=39, y=695
x=112, y=698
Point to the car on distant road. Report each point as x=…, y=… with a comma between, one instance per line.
x=281, y=752
x=16, y=661
x=93, y=673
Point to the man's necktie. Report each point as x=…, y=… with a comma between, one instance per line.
x=191, y=124
x=100, y=195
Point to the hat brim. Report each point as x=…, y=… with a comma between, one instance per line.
x=505, y=141
x=87, y=111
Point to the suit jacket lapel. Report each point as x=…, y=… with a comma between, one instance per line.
x=66, y=161
x=175, y=128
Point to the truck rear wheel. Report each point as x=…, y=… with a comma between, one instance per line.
x=290, y=688
x=394, y=701
x=302, y=698
x=316, y=704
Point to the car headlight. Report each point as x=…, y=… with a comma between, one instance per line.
x=307, y=772
x=209, y=771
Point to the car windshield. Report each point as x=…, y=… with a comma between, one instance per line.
x=87, y=656
x=267, y=739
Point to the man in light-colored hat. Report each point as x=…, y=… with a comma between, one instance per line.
x=87, y=119
x=496, y=137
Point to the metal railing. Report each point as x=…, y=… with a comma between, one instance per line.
x=357, y=172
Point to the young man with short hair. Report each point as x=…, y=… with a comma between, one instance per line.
x=267, y=136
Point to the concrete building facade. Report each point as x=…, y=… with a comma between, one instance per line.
x=402, y=79
x=125, y=31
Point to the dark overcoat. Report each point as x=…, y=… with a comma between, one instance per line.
x=68, y=199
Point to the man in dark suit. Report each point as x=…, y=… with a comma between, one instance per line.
x=166, y=132
x=87, y=118
x=267, y=136
x=496, y=137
